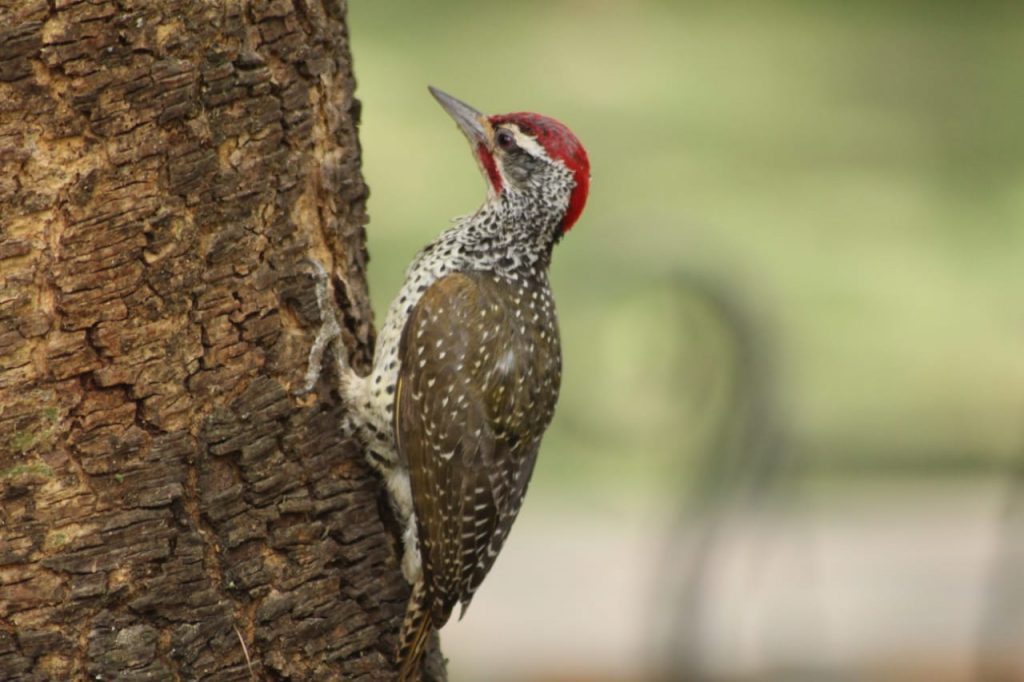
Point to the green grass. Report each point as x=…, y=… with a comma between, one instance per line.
x=852, y=173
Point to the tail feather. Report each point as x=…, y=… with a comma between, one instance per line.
x=416, y=629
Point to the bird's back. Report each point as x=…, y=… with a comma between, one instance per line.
x=479, y=378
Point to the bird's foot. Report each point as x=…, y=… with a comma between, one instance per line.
x=330, y=331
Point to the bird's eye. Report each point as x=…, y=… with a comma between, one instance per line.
x=506, y=140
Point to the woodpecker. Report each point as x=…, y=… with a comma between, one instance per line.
x=467, y=367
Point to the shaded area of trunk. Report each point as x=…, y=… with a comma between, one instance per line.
x=168, y=509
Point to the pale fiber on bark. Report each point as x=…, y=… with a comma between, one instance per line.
x=168, y=510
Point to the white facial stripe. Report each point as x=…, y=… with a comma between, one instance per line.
x=525, y=142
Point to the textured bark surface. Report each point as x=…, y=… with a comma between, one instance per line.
x=168, y=509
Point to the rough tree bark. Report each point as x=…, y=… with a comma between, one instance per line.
x=168, y=509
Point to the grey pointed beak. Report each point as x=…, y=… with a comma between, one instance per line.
x=471, y=122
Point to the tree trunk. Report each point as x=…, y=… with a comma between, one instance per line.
x=168, y=509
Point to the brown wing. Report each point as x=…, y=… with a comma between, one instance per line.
x=481, y=367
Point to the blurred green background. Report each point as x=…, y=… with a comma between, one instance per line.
x=807, y=214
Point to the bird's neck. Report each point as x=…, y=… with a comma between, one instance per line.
x=509, y=232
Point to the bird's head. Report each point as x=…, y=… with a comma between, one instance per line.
x=526, y=154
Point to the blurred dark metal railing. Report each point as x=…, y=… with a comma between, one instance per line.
x=740, y=468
